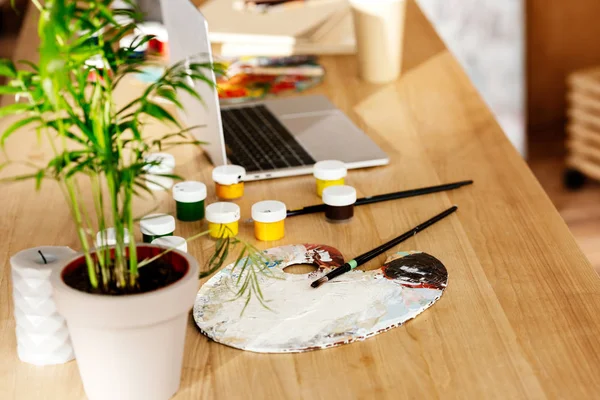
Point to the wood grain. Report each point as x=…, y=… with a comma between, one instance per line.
x=519, y=317
x=561, y=38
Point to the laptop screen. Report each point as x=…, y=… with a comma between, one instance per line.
x=188, y=40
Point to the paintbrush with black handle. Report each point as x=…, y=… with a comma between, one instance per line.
x=384, y=197
x=369, y=255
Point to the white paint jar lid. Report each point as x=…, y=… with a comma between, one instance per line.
x=153, y=28
x=171, y=242
x=129, y=40
x=269, y=211
x=157, y=224
x=228, y=174
x=166, y=163
x=339, y=196
x=95, y=61
x=123, y=20
x=108, y=237
x=121, y=5
x=330, y=170
x=189, y=192
x=222, y=213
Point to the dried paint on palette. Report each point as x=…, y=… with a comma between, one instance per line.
x=353, y=307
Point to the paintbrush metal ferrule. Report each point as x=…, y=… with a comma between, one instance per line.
x=369, y=255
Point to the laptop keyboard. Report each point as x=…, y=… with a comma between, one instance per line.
x=257, y=141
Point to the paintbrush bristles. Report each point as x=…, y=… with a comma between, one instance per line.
x=319, y=282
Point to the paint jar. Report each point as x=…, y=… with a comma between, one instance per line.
x=189, y=198
x=164, y=164
x=108, y=237
x=171, y=242
x=96, y=67
x=269, y=220
x=339, y=203
x=329, y=173
x=223, y=219
x=229, y=181
x=154, y=226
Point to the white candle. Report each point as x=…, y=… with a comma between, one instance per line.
x=42, y=334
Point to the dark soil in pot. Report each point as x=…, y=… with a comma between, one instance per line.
x=158, y=274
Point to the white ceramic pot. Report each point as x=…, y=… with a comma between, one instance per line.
x=130, y=347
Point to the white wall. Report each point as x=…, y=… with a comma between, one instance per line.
x=487, y=37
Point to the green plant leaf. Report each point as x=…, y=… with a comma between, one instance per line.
x=7, y=68
x=170, y=95
x=38, y=179
x=10, y=90
x=16, y=126
x=159, y=113
x=14, y=109
x=31, y=65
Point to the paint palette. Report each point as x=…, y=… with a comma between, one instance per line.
x=353, y=307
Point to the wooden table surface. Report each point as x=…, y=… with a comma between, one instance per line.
x=520, y=317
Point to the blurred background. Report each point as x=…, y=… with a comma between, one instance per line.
x=534, y=62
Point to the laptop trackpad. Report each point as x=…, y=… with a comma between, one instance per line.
x=330, y=135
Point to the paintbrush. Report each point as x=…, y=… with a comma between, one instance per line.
x=369, y=255
x=384, y=197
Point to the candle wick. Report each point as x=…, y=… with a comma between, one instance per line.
x=43, y=258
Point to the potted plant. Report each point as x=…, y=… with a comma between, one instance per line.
x=126, y=305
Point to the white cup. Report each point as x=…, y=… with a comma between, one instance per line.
x=379, y=30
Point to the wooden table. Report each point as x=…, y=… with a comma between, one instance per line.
x=520, y=317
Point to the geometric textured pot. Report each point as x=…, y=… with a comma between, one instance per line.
x=42, y=334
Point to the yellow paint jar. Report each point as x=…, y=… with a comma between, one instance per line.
x=269, y=220
x=229, y=181
x=223, y=219
x=329, y=173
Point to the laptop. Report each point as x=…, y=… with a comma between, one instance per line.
x=270, y=138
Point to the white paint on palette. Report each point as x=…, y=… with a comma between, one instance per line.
x=487, y=37
x=353, y=307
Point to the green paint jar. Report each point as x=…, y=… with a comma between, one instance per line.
x=154, y=226
x=189, y=197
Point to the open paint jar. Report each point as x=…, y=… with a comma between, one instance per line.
x=154, y=226
x=163, y=164
x=339, y=203
x=223, y=219
x=329, y=173
x=171, y=242
x=269, y=220
x=229, y=181
x=189, y=198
